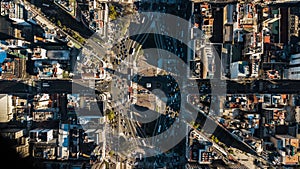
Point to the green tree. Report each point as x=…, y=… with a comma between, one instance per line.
x=112, y=13
x=65, y=74
x=110, y=115
x=59, y=23
x=216, y=140
x=64, y=28
x=52, y=19
x=196, y=126
x=111, y=153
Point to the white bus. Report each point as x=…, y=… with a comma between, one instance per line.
x=295, y=61
x=159, y=127
x=295, y=56
x=143, y=20
x=294, y=73
x=46, y=5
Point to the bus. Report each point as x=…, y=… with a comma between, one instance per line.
x=143, y=20
x=46, y=5
x=159, y=128
x=295, y=61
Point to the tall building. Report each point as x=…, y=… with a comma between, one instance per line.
x=6, y=28
x=6, y=113
x=239, y=69
x=294, y=67
x=293, y=25
x=99, y=16
x=286, y=146
x=13, y=9
x=18, y=139
x=208, y=20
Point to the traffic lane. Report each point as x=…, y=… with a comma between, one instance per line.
x=64, y=86
x=284, y=86
x=233, y=87
x=14, y=86
x=100, y=50
x=164, y=83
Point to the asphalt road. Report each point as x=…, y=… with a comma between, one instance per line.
x=232, y=87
